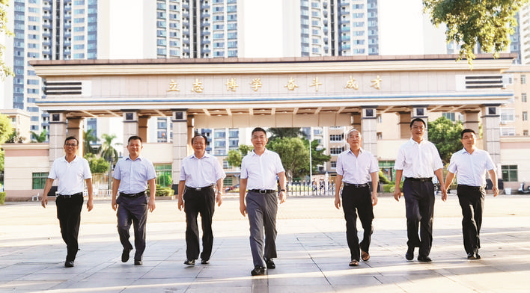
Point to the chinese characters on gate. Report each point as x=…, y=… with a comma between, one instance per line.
x=232, y=85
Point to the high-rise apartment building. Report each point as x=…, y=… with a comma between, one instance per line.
x=51, y=30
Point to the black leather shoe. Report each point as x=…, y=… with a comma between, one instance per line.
x=477, y=256
x=410, y=253
x=258, y=270
x=424, y=258
x=270, y=264
x=138, y=263
x=125, y=255
x=69, y=264
x=189, y=262
x=470, y=255
x=205, y=261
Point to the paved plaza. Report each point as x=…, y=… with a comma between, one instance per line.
x=312, y=252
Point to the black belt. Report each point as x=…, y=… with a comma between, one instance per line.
x=263, y=190
x=470, y=187
x=69, y=195
x=199, y=188
x=132, y=195
x=426, y=179
x=356, y=185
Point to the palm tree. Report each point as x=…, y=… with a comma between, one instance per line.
x=38, y=137
x=88, y=136
x=107, y=149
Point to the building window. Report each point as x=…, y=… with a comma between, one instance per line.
x=39, y=180
x=523, y=79
x=523, y=97
x=507, y=131
x=336, y=151
x=226, y=165
x=162, y=136
x=333, y=164
x=450, y=116
x=525, y=116
x=507, y=115
x=163, y=174
x=227, y=182
x=336, y=137
x=509, y=173
x=525, y=132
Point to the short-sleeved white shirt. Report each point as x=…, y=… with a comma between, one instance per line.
x=471, y=168
x=133, y=175
x=71, y=175
x=356, y=170
x=418, y=160
x=261, y=171
x=201, y=172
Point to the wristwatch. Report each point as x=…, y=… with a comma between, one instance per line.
x=282, y=190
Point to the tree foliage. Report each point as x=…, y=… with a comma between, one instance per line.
x=488, y=23
x=15, y=137
x=2, y=156
x=293, y=153
x=107, y=149
x=235, y=157
x=4, y=69
x=38, y=137
x=446, y=137
x=88, y=137
x=6, y=129
x=317, y=157
x=97, y=164
x=284, y=132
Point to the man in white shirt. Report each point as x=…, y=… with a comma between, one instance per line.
x=355, y=167
x=131, y=177
x=70, y=170
x=259, y=170
x=418, y=160
x=199, y=174
x=470, y=165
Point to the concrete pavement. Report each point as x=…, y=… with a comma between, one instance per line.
x=313, y=254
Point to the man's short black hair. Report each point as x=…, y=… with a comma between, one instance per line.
x=71, y=137
x=465, y=131
x=200, y=135
x=258, y=129
x=417, y=119
x=134, y=137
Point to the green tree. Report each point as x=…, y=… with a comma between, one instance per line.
x=15, y=137
x=4, y=69
x=488, y=23
x=235, y=157
x=446, y=137
x=107, y=149
x=88, y=137
x=317, y=157
x=284, y=132
x=2, y=156
x=38, y=137
x=97, y=164
x=293, y=153
x=6, y=129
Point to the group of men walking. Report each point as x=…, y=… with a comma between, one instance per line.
x=262, y=176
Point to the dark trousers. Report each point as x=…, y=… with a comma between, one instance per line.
x=203, y=203
x=69, y=215
x=132, y=210
x=261, y=210
x=471, y=200
x=419, y=201
x=357, y=200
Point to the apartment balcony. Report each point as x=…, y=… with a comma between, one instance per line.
x=47, y=25
x=67, y=52
x=67, y=43
x=205, y=15
x=205, y=6
x=186, y=41
x=344, y=47
x=67, y=26
x=344, y=21
x=186, y=5
x=47, y=51
x=205, y=24
x=206, y=41
x=205, y=33
x=186, y=50
x=185, y=15
x=67, y=35
x=206, y=51
x=68, y=16
x=345, y=29
x=47, y=16
x=46, y=34
x=67, y=8
x=47, y=43
x=345, y=38
x=345, y=4
x=186, y=32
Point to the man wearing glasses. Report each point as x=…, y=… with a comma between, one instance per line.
x=131, y=177
x=418, y=160
x=70, y=170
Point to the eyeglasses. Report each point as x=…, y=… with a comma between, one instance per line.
x=70, y=145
